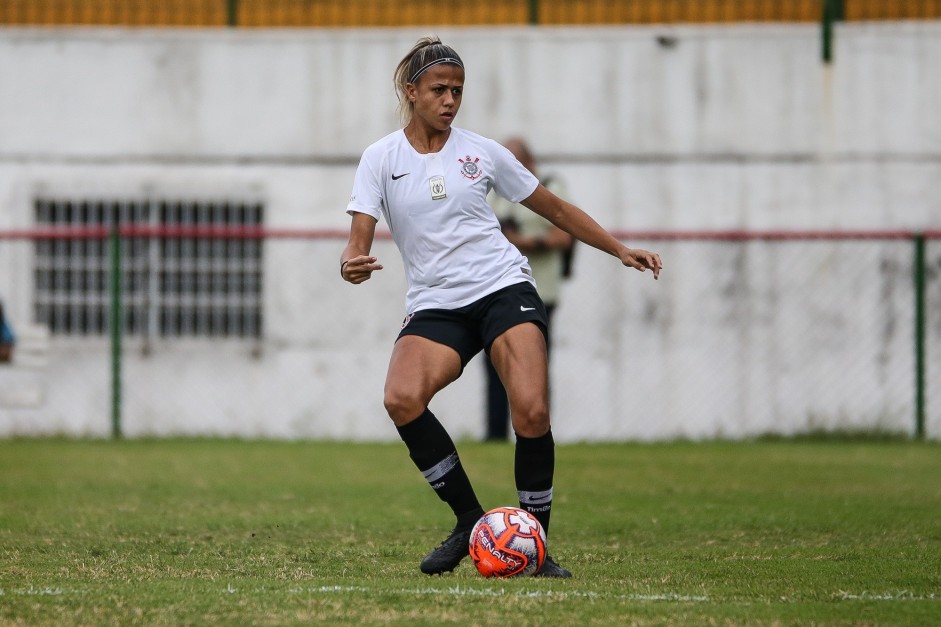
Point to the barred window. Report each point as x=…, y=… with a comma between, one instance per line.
x=189, y=273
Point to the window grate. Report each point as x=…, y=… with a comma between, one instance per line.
x=177, y=280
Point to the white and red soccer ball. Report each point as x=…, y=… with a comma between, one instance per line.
x=507, y=542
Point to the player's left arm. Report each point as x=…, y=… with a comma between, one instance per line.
x=583, y=227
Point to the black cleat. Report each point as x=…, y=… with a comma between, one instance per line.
x=551, y=569
x=449, y=553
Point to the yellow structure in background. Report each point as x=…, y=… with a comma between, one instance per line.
x=377, y=13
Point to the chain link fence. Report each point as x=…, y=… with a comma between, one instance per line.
x=371, y=13
x=745, y=334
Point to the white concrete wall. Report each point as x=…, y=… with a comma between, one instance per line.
x=730, y=127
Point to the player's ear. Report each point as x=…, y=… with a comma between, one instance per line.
x=411, y=92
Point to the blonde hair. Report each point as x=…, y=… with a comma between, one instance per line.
x=426, y=52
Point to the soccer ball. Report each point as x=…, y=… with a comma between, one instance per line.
x=506, y=542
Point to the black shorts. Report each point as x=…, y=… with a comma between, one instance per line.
x=474, y=327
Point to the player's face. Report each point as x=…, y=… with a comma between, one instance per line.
x=437, y=95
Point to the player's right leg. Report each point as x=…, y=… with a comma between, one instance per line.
x=419, y=368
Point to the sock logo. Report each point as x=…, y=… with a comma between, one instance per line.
x=439, y=470
x=538, y=498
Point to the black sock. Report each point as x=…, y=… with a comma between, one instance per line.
x=433, y=451
x=535, y=464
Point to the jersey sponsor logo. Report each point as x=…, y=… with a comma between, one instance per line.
x=396, y=177
x=526, y=308
x=469, y=168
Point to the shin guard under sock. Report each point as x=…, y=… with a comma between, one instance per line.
x=535, y=465
x=435, y=455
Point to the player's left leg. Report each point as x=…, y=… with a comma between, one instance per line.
x=520, y=357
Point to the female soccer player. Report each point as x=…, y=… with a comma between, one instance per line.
x=468, y=288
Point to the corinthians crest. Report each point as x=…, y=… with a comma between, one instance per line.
x=469, y=168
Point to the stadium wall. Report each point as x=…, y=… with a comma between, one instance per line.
x=713, y=127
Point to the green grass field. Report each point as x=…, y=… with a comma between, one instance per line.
x=184, y=532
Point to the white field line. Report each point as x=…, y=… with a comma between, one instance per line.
x=498, y=592
x=36, y=592
x=902, y=595
x=458, y=591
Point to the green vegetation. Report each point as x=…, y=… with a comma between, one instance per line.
x=178, y=532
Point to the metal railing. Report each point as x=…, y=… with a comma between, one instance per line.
x=818, y=331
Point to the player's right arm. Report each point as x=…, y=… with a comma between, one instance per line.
x=356, y=264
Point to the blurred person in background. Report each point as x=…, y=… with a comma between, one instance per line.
x=7, y=339
x=469, y=289
x=548, y=250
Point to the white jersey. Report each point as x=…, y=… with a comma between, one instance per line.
x=437, y=211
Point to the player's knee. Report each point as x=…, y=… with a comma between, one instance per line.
x=402, y=405
x=531, y=420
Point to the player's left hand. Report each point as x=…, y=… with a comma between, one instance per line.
x=641, y=260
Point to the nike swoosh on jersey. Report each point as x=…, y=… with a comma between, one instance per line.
x=526, y=308
x=396, y=177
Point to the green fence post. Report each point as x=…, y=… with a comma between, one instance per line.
x=832, y=12
x=117, y=328
x=918, y=275
x=232, y=12
x=826, y=31
x=534, y=12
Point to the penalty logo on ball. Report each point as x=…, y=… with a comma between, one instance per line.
x=507, y=542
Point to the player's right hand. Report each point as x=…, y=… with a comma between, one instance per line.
x=358, y=269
